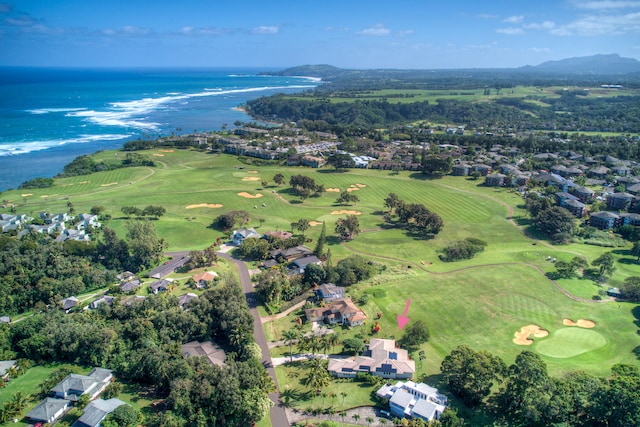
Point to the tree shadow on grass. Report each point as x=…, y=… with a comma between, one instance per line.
x=333, y=240
x=628, y=261
x=422, y=177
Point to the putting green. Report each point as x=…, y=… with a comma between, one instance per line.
x=570, y=342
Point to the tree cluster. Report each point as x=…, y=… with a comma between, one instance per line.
x=36, y=183
x=150, y=211
x=41, y=272
x=141, y=342
x=348, y=227
x=462, y=249
x=305, y=186
x=524, y=393
x=414, y=217
x=231, y=219
x=85, y=164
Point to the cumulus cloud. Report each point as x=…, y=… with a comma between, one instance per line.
x=546, y=25
x=377, y=30
x=266, y=29
x=514, y=19
x=596, y=25
x=511, y=31
x=607, y=4
x=127, y=31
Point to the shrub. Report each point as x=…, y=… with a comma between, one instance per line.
x=462, y=249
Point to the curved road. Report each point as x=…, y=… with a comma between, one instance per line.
x=278, y=415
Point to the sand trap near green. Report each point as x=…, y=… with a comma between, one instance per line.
x=570, y=342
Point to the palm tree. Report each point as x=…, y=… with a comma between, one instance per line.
x=289, y=338
x=314, y=344
x=356, y=417
x=324, y=343
x=382, y=421
x=303, y=344
x=343, y=414
x=333, y=340
x=369, y=420
x=343, y=395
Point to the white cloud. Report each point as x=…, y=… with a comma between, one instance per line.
x=405, y=33
x=337, y=29
x=541, y=49
x=488, y=16
x=546, y=25
x=607, y=4
x=266, y=29
x=127, y=31
x=377, y=30
x=514, y=19
x=510, y=31
x=203, y=31
x=595, y=25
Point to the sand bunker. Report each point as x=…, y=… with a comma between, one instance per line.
x=314, y=223
x=350, y=189
x=252, y=171
x=332, y=190
x=166, y=151
x=204, y=205
x=106, y=185
x=158, y=155
x=251, y=178
x=358, y=185
x=522, y=336
x=343, y=212
x=84, y=182
x=26, y=195
x=249, y=196
x=581, y=323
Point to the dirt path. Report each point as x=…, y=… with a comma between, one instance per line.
x=283, y=314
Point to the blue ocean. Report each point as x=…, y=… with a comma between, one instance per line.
x=50, y=116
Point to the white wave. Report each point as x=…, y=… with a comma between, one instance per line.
x=133, y=114
x=54, y=110
x=23, y=147
x=212, y=88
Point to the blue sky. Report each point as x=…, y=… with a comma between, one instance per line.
x=346, y=33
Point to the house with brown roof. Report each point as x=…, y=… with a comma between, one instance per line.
x=214, y=354
x=381, y=358
x=203, y=280
x=342, y=311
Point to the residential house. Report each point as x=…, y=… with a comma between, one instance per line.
x=605, y=220
x=75, y=385
x=312, y=161
x=381, y=359
x=86, y=221
x=584, y=194
x=125, y=275
x=621, y=170
x=599, y=172
x=5, y=367
x=214, y=354
x=48, y=411
x=5, y=319
x=203, y=280
x=69, y=303
x=300, y=264
x=277, y=235
x=290, y=254
x=54, y=218
x=184, y=300
x=462, y=169
x=161, y=285
x=620, y=200
x=294, y=160
x=482, y=168
x=634, y=189
x=576, y=207
x=72, y=234
x=96, y=411
x=614, y=292
x=328, y=292
x=244, y=233
x=414, y=400
x=630, y=219
x=495, y=180
x=105, y=299
x=130, y=285
x=340, y=311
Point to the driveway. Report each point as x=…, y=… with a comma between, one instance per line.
x=278, y=415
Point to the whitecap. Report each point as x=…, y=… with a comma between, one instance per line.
x=53, y=110
x=23, y=147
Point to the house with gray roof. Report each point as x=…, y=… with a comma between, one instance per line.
x=5, y=366
x=49, y=410
x=414, y=400
x=69, y=303
x=75, y=385
x=605, y=220
x=244, y=233
x=215, y=354
x=381, y=358
x=620, y=200
x=96, y=411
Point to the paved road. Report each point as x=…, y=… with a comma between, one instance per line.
x=278, y=415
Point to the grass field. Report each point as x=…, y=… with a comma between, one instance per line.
x=480, y=302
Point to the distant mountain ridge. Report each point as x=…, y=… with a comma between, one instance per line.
x=601, y=64
x=595, y=64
